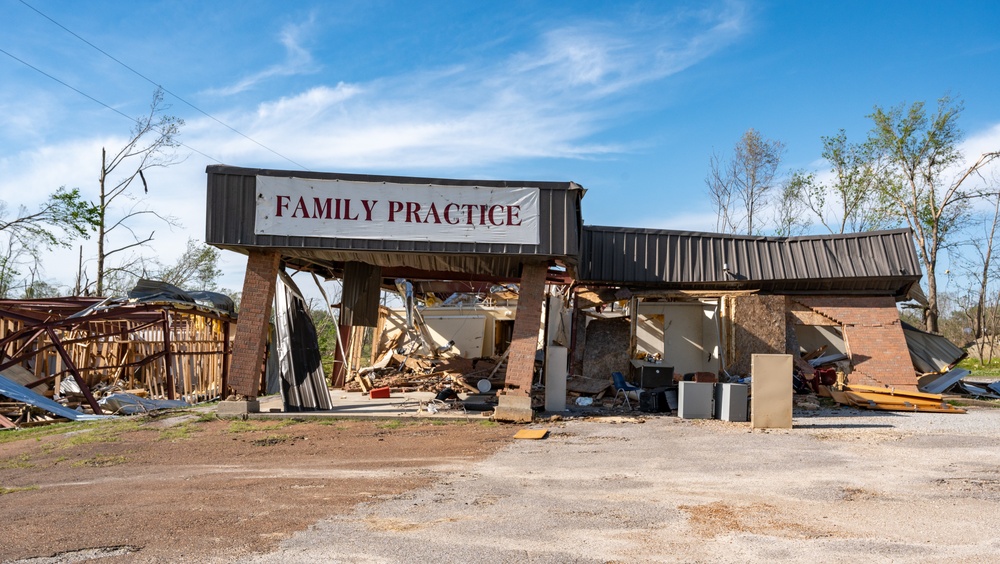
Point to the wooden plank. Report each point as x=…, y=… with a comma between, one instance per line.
x=7, y=423
x=531, y=434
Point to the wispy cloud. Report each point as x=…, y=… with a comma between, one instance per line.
x=544, y=101
x=298, y=60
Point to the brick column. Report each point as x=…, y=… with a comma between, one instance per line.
x=524, y=341
x=252, y=323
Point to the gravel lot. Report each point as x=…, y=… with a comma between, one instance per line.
x=843, y=485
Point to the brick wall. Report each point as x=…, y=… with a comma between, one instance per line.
x=252, y=324
x=874, y=338
x=524, y=341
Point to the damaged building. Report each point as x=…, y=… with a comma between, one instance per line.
x=503, y=288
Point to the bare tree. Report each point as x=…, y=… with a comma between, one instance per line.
x=853, y=199
x=740, y=187
x=923, y=151
x=979, y=307
x=149, y=146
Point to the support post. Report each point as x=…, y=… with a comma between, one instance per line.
x=515, y=405
x=252, y=324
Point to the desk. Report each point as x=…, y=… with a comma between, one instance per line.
x=651, y=375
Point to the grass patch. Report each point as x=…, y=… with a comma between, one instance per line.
x=251, y=425
x=176, y=433
x=393, y=424
x=981, y=370
x=206, y=418
x=488, y=423
x=101, y=461
x=19, y=462
x=103, y=432
x=5, y=491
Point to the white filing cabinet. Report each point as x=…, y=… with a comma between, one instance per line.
x=694, y=400
x=731, y=402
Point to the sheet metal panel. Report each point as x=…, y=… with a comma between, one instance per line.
x=882, y=261
x=231, y=210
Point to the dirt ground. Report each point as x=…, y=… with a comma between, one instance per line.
x=843, y=485
x=189, y=487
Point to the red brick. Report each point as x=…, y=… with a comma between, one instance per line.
x=252, y=324
x=524, y=340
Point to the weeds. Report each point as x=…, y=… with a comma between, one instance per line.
x=5, y=491
x=19, y=462
x=101, y=461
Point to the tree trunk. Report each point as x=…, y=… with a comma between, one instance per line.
x=931, y=319
x=101, y=226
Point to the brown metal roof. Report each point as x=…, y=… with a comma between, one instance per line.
x=873, y=262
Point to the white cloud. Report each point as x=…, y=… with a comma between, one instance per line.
x=543, y=102
x=298, y=60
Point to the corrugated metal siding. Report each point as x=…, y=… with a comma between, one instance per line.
x=874, y=261
x=360, y=299
x=231, y=208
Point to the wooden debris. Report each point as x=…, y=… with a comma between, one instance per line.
x=890, y=399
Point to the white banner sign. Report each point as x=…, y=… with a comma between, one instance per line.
x=408, y=212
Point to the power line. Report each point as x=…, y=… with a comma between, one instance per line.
x=160, y=86
x=95, y=100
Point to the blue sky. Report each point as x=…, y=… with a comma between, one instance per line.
x=628, y=99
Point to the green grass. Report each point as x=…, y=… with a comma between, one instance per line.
x=106, y=432
x=101, y=461
x=488, y=423
x=19, y=462
x=5, y=491
x=251, y=425
x=981, y=370
x=177, y=433
x=393, y=424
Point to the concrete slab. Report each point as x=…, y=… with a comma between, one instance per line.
x=237, y=408
x=514, y=408
x=359, y=405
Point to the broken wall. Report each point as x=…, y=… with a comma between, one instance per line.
x=757, y=326
x=607, y=344
x=873, y=336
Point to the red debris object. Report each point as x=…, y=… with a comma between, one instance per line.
x=379, y=393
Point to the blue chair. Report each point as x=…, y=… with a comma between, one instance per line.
x=623, y=388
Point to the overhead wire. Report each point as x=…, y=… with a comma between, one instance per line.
x=158, y=85
x=95, y=100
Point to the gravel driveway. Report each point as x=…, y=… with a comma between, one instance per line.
x=841, y=486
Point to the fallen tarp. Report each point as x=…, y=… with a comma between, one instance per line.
x=130, y=404
x=17, y=392
x=941, y=384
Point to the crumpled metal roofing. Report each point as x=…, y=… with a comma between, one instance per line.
x=930, y=352
x=872, y=262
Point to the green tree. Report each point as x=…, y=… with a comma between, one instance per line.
x=26, y=235
x=853, y=198
x=196, y=269
x=922, y=150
